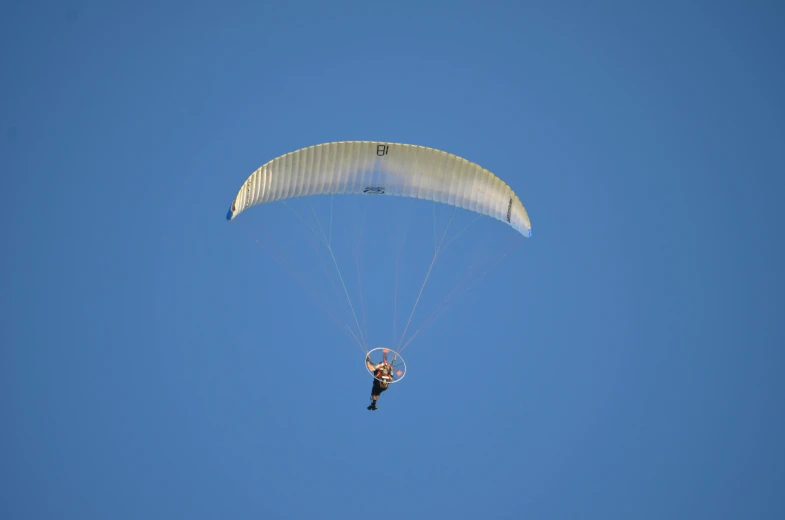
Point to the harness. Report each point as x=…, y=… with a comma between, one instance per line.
x=384, y=374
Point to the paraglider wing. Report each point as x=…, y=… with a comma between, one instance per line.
x=377, y=168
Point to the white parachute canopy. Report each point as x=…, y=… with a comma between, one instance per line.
x=379, y=168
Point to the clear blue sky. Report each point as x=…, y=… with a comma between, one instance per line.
x=624, y=362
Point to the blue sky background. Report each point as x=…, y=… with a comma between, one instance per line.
x=624, y=362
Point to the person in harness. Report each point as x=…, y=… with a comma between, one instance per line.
x=382, y=377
